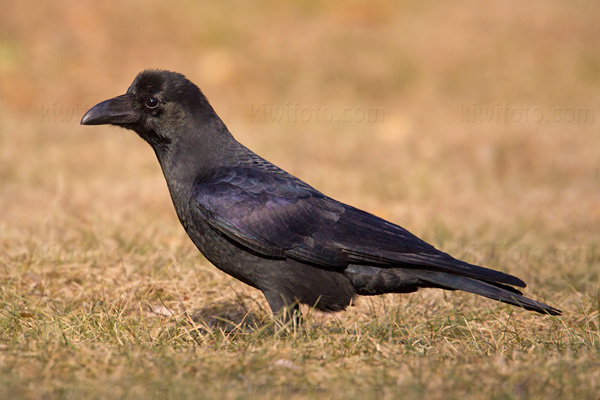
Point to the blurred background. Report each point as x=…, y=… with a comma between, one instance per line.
x=475, y=126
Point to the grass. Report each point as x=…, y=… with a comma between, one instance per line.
x=102, y=295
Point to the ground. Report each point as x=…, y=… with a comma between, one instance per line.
x=474, y=126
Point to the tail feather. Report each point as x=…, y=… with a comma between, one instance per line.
x=492, y=291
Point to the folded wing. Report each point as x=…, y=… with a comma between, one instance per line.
x=277, y=215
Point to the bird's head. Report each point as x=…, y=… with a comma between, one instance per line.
x=161, y=106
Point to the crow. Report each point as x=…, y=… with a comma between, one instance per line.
x=271, y=230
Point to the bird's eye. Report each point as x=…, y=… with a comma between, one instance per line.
x=152, y=102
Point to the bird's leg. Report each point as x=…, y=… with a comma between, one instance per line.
x=285, y=310
x=292, y=315
x=288, y=318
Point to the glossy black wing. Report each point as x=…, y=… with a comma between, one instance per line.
x=275, y=214
x=269, y=212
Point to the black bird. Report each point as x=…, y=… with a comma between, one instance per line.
x=271, y=230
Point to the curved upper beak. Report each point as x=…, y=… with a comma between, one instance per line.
x=118, y=110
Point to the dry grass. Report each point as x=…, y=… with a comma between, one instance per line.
x=91, y=250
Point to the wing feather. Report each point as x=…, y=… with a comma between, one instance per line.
x=277, y=215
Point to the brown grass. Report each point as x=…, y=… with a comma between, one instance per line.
x=102, y=295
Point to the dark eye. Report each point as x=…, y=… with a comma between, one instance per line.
x=152, y=102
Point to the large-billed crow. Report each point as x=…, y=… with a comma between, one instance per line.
x=271, y=230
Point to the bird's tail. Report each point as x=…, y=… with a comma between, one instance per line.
x=499, y=292
x=369, y=280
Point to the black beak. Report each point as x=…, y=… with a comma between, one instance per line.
x=117, y=111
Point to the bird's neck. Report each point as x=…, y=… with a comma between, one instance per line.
x=193, y=156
